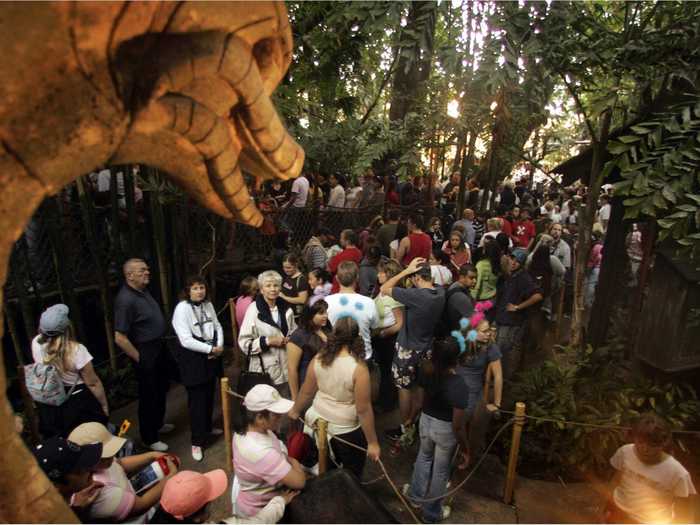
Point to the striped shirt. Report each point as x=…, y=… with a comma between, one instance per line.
x=116, y=499
x=260, y=462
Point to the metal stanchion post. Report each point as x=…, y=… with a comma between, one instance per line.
x=514, y=449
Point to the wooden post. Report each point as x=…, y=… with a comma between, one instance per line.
x=86, y=206
x=514, y=449
x=29, y=410
x=322, y=444
x=226, y=412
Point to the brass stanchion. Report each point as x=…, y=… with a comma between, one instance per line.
x=226, y=411
x=322, y=445
x=514, y=449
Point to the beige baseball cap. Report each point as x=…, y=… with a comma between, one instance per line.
x=89, y=433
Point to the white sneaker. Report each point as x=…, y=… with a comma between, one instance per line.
x=197, y=453
x=217, y=431
x=446, y=511
x=404, y=490
x=158, y=446
x=167, y=428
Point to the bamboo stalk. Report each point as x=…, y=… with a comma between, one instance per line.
x=87, y=208
x=159, y=242
x=560, y=314
x=28, y=318
x=28, y=405
x=53, y=222
x=130, y=208
x=514, y=450
x=114, y=214
x=322, y=444
x=12, y=327
x=226, y=413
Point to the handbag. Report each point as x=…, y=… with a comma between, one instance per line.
x=249, y=379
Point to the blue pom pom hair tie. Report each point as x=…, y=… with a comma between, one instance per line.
x=459, y=336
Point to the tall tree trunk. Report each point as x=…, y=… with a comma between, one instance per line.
x=585, y=227
x=413, y=69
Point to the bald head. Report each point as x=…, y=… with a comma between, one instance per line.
x=468, y=214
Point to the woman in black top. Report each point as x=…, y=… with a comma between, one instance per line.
x=442, y=427
x=305, y=342
x=295, y=287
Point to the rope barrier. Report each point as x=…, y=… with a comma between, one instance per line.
x=589, y=425
x=453, y=491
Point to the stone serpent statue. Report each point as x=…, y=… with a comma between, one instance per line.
x=180, y=86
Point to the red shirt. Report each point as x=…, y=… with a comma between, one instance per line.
x=506, y=226
x=421, y=245
x=523, y=233
x=348, y=254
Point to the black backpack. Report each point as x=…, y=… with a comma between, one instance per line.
x=442, y=328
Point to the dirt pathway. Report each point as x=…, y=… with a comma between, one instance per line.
x=478, y=502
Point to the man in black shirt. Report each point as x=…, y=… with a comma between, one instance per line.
x=519, y=291
x=139, y=328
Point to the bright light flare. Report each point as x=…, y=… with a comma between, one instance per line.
x=453, y=109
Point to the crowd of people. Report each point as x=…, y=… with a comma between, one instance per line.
x=429, y=316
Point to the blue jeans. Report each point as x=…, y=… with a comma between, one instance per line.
x=431, y=471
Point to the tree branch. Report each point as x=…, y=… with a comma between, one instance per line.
x=382, y=86
x=579, y=106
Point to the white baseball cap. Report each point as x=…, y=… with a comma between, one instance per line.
x=265, y=397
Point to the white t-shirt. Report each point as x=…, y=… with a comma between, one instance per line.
x=442, y=276
x=75, y=361
x=646, y=492
x=394, y=245
x=336, y=198
x=360, y=308
x=353, y=194
x=604, y=214
x=301, y=188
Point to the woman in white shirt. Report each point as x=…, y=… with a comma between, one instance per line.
x=202, y=343
x=55, y=345
x=267, y=325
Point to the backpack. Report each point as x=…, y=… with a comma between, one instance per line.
x=442, y=328
x=45, y=385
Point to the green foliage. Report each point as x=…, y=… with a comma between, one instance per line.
x=596, y=387
x=658, y=162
